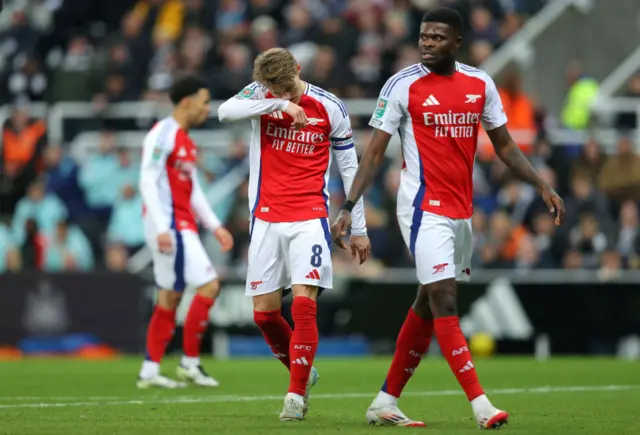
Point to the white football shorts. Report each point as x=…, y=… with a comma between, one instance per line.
x=441, y=246
x=187, y=265
x=286, y=253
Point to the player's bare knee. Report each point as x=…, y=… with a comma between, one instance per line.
x=169, y=299
x=268, y=302
x=303, y=290
x=442, y=298
x=421, y=304
x=210, y=289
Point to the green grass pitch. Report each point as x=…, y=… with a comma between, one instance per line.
x=561, y=396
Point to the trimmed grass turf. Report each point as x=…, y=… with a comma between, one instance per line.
x=59, y=396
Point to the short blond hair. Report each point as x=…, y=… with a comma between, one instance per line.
x=275, y=67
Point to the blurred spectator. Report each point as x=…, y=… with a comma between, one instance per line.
x=620, y=175
x=76, y=79
x=98, y=173
x=588, y=239
x=23, y=141
x=67, y=250
x=44, y=208
x=627, y=121
x=519, y=110
x=28, y=83
x=502, y=243
x=61, y=175
x=235, y=73
x=515, y=198
x=299, y=25
x=483, y=27
x=163, y=18
x=264, y=32
x=589, y=162
x=479, y=52
x=583, y=89
x=529, y=257
x=116, y=258
x=611, y=265
x=549, y=243
x=33, y=246
x=586, y=199
x=125, y=226
x=629, y=231
x=18, y=36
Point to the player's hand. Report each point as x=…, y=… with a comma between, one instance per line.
x=362, y=246
x=339, y=228
x=554, y=203
x=165, y=243
x=224, y=237
x=297, y=113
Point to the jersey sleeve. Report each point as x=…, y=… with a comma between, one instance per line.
x=201, y=205
x=388, y=113
x=341, y=138
x=156, y=149
x=493, y=115
x=249, y=103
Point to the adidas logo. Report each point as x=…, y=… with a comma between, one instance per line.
x=301, y=360
x=431, y=101
x=468, y=366
x=313, y=274
x=277, y=114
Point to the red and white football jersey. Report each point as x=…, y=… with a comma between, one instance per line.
x=438, y=119
x=289, y=174
x=169, y=187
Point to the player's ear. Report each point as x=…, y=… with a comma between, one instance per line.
x=298, y=69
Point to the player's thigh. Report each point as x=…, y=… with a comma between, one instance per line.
x=267, y=267
x=309, y=253
x=463, y=249
x=432, y=240
x=197, y=267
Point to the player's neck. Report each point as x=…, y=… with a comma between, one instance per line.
x=301, y=87
x=181, y=119
x=444, y=68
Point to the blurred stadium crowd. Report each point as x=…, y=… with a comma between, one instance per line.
x=60, y=214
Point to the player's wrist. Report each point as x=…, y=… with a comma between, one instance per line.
x=348, y=205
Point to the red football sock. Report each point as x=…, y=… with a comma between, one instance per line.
x=195, y=325
x=276, y=331
x=456, y=352
x=304, y=342
x=159, y=333
x=413, y=342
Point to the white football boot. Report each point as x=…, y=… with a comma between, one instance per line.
x=159, y=381
x=390, y=415
x=293, y=409
x=492, y=418
x=196, y=375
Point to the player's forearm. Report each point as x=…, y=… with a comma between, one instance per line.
x=520, y=165
x=348, y=165
x=235, y=109
x=369, y=165
x=507, y=150
x=203, y=210
x=151, y=200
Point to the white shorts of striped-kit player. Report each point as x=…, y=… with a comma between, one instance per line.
x=441, y=246
x=285, y=253
x=187, y=265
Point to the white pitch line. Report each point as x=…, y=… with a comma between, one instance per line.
x=231, y=399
